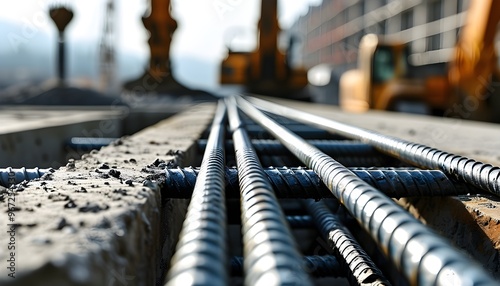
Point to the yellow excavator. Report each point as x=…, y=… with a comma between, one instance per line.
x=385, y=80
x=265, y=70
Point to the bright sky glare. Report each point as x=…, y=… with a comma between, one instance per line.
x=205, y=27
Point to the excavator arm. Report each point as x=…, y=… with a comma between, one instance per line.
x=475, y=60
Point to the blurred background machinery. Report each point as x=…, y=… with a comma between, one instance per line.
x=266, y=70
x=434, y=57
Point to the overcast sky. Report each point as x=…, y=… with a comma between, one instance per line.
x=205, y=27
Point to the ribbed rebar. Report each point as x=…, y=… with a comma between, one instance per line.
x=316, y=265
x=424, y=257
x=484, y=176
x=258, y=132
x=200, y=257
x=269, y=250
x=348, y=152
x=11, y=176
x=330, y=147
x=299, y=221
x=303, y=183
x=362, y=270
x=293, y=221
x=89, y=143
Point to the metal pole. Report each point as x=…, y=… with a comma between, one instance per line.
x=61, y=61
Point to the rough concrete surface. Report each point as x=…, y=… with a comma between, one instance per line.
x=98, y=220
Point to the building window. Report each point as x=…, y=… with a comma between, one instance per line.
x=434, y=42
x=406, y=20
x=435, y=11
x=462, y=5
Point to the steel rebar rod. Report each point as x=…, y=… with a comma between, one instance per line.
x=304, y=183
x=293, y=221
x=201, y=257
x=478, y=174
x=349, y=152
x=11, y=176
x=271, y=257
x=306, y=132
x=299, y=221
x=318, y=266
x=362, y=270
x=337, y=147
x=422, y=256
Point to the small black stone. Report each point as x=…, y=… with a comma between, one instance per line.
x=157, y=162
x=61, y=224
x=120, y=191
x=70, y=205
x=92, y=207
x=114, y=173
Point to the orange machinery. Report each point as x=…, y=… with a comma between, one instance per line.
x=382, y=79
x=265, y=70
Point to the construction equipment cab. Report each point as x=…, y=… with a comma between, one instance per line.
x=464, y=87
x=384, y=80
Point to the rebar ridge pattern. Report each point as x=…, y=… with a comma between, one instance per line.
x=316, y=265
x=422, y=256
x=302, y=183
x=201, y=254
x=270, y=256
x=362, y=269
x=484, y=176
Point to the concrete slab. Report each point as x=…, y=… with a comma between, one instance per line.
x=35, y=136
